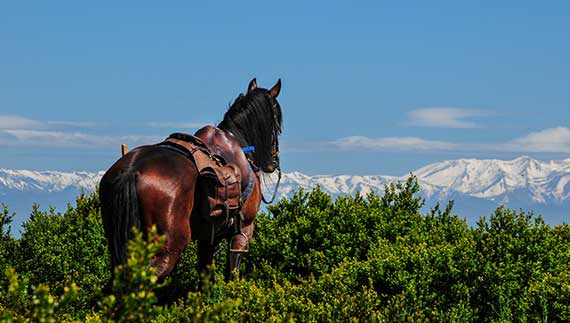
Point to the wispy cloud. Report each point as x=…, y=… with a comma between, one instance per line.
x=444, y=117
x=17, y=130
x=42, y=138
x=17, y=122
x=391, y=143
x=552, y=140
x=76, y=124
x=180, y=125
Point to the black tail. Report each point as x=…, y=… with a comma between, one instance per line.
x=122, y=216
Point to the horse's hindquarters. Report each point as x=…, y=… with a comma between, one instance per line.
x=164, y=197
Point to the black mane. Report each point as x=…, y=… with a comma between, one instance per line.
x=255, y=119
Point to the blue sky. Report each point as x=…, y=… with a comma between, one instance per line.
x=368, y=87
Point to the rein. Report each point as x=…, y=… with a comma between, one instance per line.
x=274, y=192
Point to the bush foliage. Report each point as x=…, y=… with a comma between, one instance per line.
x=314, y=259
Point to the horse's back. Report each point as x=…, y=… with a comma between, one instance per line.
x=154, y=165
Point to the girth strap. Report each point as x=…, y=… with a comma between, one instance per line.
x=249, y=189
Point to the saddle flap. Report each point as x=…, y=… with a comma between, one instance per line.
x=227, y=193
x=220, y=181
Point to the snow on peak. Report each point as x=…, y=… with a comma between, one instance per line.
x=491, y=178
x=50, y=181
x=498, y=180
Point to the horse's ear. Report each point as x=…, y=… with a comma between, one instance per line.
x=274, y=92
x=252, y=85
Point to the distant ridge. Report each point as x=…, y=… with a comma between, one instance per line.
x=27, y=180
x=477, y=185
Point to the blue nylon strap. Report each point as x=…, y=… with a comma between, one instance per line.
x=248, y=149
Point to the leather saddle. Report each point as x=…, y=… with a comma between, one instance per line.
x=219, y=178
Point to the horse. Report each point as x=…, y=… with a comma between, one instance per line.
x=155, y=185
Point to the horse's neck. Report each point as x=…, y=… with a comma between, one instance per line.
x=224, y=144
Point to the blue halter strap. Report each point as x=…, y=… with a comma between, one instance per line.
x=248, y=149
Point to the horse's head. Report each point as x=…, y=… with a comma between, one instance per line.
x=255, y=119
x=272, y=94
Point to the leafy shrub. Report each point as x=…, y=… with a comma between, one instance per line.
x=315, y=259
x=58, y=249
x=133, y=298
x=518, y=257
x=7, y=242
x=40, y=305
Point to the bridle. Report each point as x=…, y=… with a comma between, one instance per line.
x=274, y=156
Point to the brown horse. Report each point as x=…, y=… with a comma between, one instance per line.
x=158, y=185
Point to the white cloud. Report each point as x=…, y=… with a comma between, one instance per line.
x=392, y=143
x=443, y=117
x=42, y=138
x=16, y=122
x=182, y=125
x=16, y=130
x=552, y=140
x=78, y=124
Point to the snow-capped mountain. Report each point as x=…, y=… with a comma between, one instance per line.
x=545, y=182
x=49, y=181
x=477, y=186
x=20, y=189
x=491, y=179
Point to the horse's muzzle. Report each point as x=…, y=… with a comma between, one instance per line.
x=273, y=166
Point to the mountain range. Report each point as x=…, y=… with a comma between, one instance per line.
x=477, y=186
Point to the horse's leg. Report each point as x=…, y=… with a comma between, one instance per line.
x=239, y=243
x=167, y=257
x=239, y=246
x=171, y=215
x=177, y=238
x=206, y=252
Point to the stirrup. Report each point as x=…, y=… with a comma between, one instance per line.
x=239, y=251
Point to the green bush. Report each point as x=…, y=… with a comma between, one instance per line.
x=39, y=305
x=58, y=249
x=133, y=298
x=314, y=259
x=8, y=244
